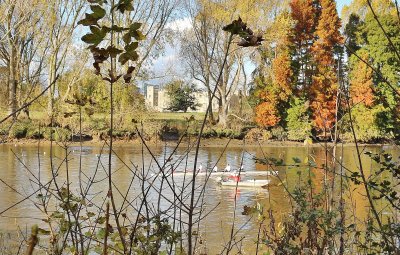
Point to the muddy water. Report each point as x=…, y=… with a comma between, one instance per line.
x=24, y=166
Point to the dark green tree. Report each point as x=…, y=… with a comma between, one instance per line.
x=182, y=96
x=383, y=58
x=298, y=120
x=353, y=33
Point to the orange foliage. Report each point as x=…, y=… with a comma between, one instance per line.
x=361, y=82
x=303, y=12
x=282, y=75
x=267, y=115
x=323, y=94
x=327, y=33
x=324, y=82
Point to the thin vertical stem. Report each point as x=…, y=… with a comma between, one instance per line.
x=112, y=81
x=191, y=208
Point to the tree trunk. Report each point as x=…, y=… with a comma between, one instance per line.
x=210, y=108
x=52, y=75
x=223, y=112
x=13, y=83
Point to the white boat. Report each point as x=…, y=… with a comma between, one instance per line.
x=245, y=183
x=226, y=174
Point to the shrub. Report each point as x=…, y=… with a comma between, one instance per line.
x=207, y=133
x=279, y=133
x=33, y=132
x=228, y=133
x=57, y=134
x=366, y=125
x=258, y=134
x=298, y=121
x=19, y=130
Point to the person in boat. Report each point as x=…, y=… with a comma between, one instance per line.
x=227, y=168
x=235, y=176
x=200, y=168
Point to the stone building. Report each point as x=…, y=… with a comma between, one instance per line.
x=157, y=99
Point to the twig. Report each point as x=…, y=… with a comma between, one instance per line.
x=33, y=240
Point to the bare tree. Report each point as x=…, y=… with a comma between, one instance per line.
x=154, y=15
x=203, y=48
x=198, y=50
x=15, y=38
x=62, y=17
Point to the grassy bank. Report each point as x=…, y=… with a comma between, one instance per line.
x=152, y=126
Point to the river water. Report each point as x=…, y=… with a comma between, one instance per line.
x=22, y=166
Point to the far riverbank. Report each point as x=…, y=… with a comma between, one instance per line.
x=205, y=142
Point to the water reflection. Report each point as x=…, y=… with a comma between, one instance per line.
x=24, y=166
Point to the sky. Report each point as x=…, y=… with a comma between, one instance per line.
x=171, y=57
x=341, y=3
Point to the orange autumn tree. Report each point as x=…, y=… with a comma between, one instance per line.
x=304, y=13
x=267, y=113
x=278, y=88
x=323, y=90
x=361, y=82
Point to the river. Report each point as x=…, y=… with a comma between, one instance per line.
x=22, y=166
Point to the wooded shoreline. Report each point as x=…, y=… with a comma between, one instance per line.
x=205, y=142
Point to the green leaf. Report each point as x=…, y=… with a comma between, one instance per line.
x=101, y=220
x=132, y=46
x=57, y=215
x=125, y=57
x=98, y=12
x=92, y=18
x=118, y=28
x=96, y=37
x=138, y=35
x=88, y=21
x=90, y=214
x=96, y=1
x=98, y=249
x=124, y=5
x=133, y=32
x=113, y=51
x=135, y=26
x=43, y=231
x=130, y=53
x=127, y=38
x=101, y=234
x=119, y=246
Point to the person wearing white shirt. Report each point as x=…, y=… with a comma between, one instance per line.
x=227, y=168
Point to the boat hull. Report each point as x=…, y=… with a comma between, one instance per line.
x=247, y=183
x=226, y=174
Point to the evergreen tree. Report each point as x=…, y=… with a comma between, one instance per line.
x=298, y=121
x=304, y=13
x=181, y=96
x=323, y=91
x=368, y=88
